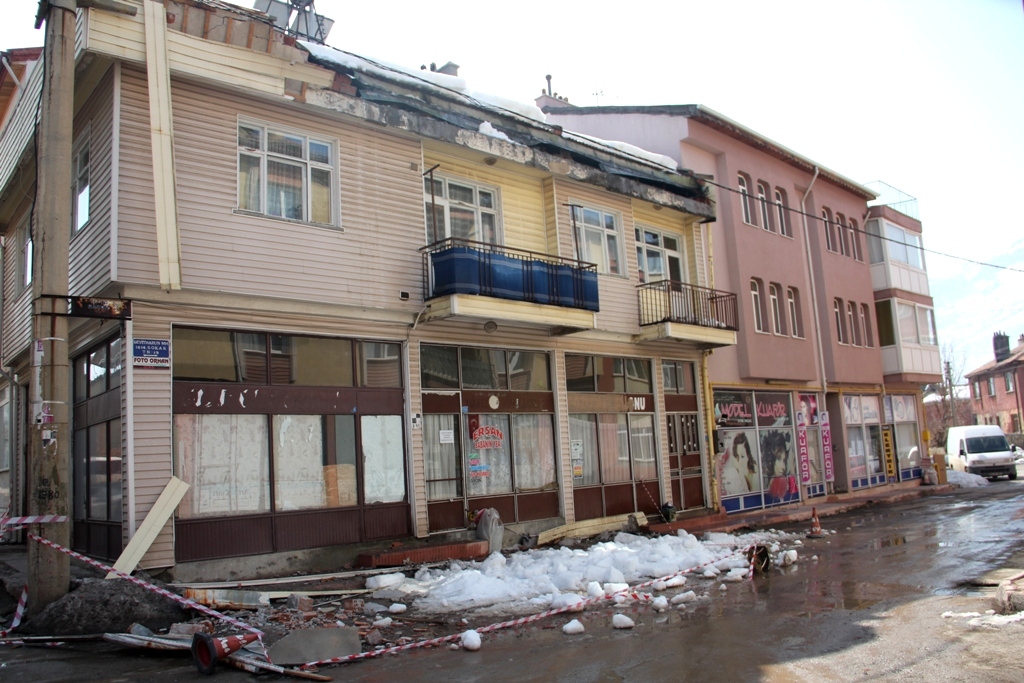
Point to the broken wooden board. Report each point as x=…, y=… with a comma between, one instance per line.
x=590, y=527
x=237, y=599
x=151, y=526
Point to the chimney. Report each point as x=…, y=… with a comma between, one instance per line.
x=449, y=69
x=1001, y=346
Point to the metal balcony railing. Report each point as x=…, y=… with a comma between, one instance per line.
x=460, y=266
x=677, y=302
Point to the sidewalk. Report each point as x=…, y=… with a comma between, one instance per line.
x=798, y=512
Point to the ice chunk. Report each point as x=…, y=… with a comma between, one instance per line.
x=594, y=590
x=688, y=596
x=573, y=628
x=384, y=581
x=471, y=640
x=397, y=608
x=622, y=621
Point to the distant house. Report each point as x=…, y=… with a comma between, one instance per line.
x=995, y=393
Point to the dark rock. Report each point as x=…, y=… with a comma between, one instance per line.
x=105, y=606
x=374, y=637
x=300, y=602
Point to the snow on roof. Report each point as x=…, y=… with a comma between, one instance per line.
x=626, y=148
x=456, y=87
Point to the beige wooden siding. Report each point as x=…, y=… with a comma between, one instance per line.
x=20, y=125
x=367, y=263
x=698, y=255
x=551, y=218
x=136, y=224
x=90, y=247
x=17, y=323
x=522, y=199
x=619, y=308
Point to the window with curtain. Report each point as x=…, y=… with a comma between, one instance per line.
x=442, y=456
x=383, y=458
x=488, y=455
x=286, y=175
x=533, y=452
x=599, y=234
x=461, y=209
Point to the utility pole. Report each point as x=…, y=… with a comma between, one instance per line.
x=952, y=394
x=49, y=436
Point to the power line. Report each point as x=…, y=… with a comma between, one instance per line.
x=861, y=231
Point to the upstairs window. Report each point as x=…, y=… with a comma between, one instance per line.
x=851, y=317
x=762, y=200
x=778, y=322
x=837, y=309
x=904, y=246
x=756, y=297
x=80, y=184
x=876, y=253
x=286, y=175
x=1008, y=379
x=977, y=389
x=462, y=210
x=855, y=241
x=841, y=233
x=27, y=247
x=992, y=386
x=598, y=232
x=795, y=314
x=865, y=323
x=826, y=219
x=781, y=209
x=658, y=256
x=741, y=182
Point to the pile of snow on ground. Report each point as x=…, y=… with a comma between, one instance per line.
x=965, y=479
x=540, y=579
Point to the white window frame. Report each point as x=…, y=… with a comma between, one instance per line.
x=826, y=217
x=744, y=198
x=309, y=166
x=778, y=323
x=837, y=308
x=865, y=323
x=851, y=316
x=81, y=159
x=755, y=298
x=444, y=203
x=1008, y=379
x=992, y=385
x=781, y=208
x=898, y=247
x=796, y=322
x=855, y=250
x=762, y=198
x=607, y=235
x=977, y=389
x=841, y=233
x=926, y=337
x=642, y=247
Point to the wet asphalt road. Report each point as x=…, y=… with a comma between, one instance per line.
x=869, y=609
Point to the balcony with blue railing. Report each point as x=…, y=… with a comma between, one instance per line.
x=455, y=268
x=677, y=310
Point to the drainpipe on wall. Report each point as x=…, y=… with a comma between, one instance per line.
x=814, y=290
x=709, y=434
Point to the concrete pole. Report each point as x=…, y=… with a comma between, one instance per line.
x=49, y=571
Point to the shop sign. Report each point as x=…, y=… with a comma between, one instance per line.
x=809, y=407
x=889, y=452
x=446, y=435
x=869, y=408
x=826, y=446
x=734, y=409
x=802, y=453
x=151, y=353
x=488, y=436
x=772, y=409
x=478, y=470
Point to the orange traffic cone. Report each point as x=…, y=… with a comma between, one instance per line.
x=207, y=649
x=816, y=531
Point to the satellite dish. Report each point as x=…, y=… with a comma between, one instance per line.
x=296, y=18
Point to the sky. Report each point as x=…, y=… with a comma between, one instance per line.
x=926, y=95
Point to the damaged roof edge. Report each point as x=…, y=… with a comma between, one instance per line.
x=687, y=183
x=435, y=128
x=734, y=129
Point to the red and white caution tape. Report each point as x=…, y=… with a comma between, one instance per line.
x=33, y=519
x=190, y=604
x=19, y=613
x=632, y=592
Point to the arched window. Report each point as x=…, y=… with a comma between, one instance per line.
x=837, y=309
x=781, y=208
x=762, y=199
x=841, y=232
x=826, y=218
x=855, y=241
x=755, y=300
x=741, y=182
x=795, y=314
x=865, y=322
x=851, y=316
x=778, y=322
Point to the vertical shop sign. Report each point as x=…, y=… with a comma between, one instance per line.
x=826, y=446
x=889, y=452
x=801, y=444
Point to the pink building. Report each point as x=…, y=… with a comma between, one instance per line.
x=994, y=395
x=802, y=402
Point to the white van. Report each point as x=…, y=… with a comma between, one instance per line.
x=980, y=449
